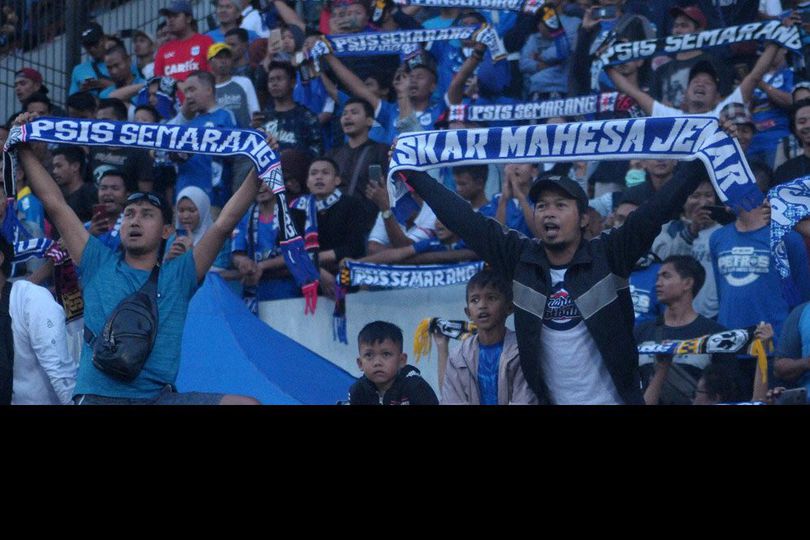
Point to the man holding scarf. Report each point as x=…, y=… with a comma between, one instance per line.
x=574, y=315
x=110, y=276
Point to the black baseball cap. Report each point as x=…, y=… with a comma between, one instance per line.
x=704, y=66
x=178, y=6
x=92, y=34
x=560, y=183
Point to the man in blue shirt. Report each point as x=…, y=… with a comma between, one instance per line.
x=91, y=75
x=210, y=174
x=229, y=15
x=108, y=277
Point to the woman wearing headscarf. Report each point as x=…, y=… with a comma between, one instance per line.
x=193, y=219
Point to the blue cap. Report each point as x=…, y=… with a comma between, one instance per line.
x=178, y=6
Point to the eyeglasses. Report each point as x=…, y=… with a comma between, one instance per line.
x=153, y=199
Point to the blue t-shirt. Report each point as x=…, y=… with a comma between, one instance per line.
x=749, y=287
x=642, y=291
x=772, y=122
x=85, y=71
x=203, y=171
x=265, y=247
x=106, y=280
x=110, y=89
x=389, y=114
x=493, y=77
x=514, y=215
x=489, y=359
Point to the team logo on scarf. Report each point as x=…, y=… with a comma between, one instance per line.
x=526, y=6
x=682, y=138
x=518, y=112
x=790, y=203
x=403, y=41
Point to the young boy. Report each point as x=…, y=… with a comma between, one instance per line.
x=486, y=368
x=387, y=378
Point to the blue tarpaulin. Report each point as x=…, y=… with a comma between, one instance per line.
x=227, y=349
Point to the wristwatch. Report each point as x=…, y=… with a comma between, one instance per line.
x=387, y=214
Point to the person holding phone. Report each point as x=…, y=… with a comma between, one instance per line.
x=92, y=75
x=113, y=189
x=357, y=157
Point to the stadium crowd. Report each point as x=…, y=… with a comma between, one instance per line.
x=651, y=236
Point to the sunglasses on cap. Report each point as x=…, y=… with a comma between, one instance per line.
x=153, y=199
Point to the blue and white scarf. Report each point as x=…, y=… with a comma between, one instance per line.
x=404, y=41
x=519, y=112
x=310, y=205
x=526, y=6
x=194, y=140
x=681, y=138
x=409, y=276
x=790, y=203
x=788, y=37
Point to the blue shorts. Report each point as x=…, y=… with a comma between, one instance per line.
x=168, y=396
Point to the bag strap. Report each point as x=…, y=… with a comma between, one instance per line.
x=357, y=168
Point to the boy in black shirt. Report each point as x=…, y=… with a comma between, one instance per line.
x=679, y=280
x=387, y=378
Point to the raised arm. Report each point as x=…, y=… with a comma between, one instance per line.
x=754, y=77
x=289, y=15
x=455, y=92
x=483, y=235
x=623, y=85
x=206, y=251
x=74, y=235
x=356, y=87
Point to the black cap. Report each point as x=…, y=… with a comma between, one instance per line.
x=704, y=66
x=562, y=183
x=92, y=34
x=178, y=6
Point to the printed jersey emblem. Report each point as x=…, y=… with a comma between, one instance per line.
x=743, y=265
x=561, y=312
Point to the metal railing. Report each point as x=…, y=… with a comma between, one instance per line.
x=48, y=38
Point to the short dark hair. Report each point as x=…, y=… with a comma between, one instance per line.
x=378, y=331
x=285, y=66
x=721, y=382
x=206, y=77
x=81, y=101
x=118, y=107
x=240, y=33
x=117, y=49
x=477, y=172
x=130, y=186
x=8, y=255
x=366, y=105
x=688, y=267
x=488, y=278
x=794, y=110
x=72, y=154
x=37, y=97
x=328, y=160
x=153, y=111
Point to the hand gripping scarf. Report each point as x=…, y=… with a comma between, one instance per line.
x=452, y=329
x=681, y=138
x=193, y=140
x=619, y=53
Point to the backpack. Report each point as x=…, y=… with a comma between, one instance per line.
x=129, y=333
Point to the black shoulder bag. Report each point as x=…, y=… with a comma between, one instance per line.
x=129, y=333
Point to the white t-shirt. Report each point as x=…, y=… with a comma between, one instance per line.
x=252, y=21
x=574, y=370
x=422, y=227
x=659, y=109
x=44, y=372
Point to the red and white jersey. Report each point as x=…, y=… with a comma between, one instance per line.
x=178, y=59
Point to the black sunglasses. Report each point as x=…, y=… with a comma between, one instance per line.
x=151, y=197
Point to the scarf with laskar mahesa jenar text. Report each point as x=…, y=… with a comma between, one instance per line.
x=189, y=139
x=680, y=138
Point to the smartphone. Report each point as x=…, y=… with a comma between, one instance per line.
x=100, y=208
x=794, y=396
x=604, y=12
x=180, y=232
x=721, y=214
x=274, y=39
x=375, y=174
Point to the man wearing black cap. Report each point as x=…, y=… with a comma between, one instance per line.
x=573, y=311
x=702, y=92
x=91, y=75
